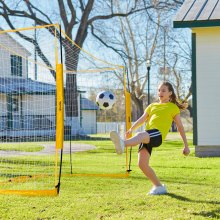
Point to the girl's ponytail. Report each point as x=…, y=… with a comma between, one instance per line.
x=173, y=97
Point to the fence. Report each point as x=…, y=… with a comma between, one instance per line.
x=106, y=127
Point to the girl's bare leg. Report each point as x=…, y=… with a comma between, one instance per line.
x=140, y=137
x=143, y=163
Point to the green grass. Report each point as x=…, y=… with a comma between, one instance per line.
x=25, y=147
x=193, y=184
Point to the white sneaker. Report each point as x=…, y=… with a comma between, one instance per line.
x=158, y=190
x=118, y=142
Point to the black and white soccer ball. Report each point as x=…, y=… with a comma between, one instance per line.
x=105, y=100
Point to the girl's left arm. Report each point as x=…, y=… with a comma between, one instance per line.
x=180, y=128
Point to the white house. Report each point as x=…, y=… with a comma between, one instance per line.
x=22, y=100
x=88, y=116
x=203, y=17
x=28, y=106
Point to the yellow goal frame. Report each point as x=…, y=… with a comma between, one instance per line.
x=59, y=125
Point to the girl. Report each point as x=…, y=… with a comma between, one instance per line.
x=159, y=117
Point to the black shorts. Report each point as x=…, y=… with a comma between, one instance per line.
x=155, y=140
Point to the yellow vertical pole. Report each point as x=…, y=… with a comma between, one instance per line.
x=127, y=111
x=59, y=115
x=60, y=107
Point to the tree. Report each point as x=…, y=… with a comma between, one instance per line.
x=135, y=44
x=175, y=59
x=77, y=18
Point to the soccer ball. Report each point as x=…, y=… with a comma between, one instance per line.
x=105, y=100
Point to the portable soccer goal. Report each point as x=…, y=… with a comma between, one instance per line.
x=31, y=111
x=88, y=150
x=49, y=115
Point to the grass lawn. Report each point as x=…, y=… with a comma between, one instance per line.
x=27, y=147
x=193, y=184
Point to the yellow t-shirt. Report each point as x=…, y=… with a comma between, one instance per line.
x=160, y=116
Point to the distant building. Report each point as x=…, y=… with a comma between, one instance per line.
x=88, y=116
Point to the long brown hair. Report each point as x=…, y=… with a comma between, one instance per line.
x=173, y=97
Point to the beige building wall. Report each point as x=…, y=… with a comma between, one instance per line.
x=208, y=85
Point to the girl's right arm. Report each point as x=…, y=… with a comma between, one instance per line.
x=137, y=124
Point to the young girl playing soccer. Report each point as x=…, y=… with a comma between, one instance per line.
x=158, y=117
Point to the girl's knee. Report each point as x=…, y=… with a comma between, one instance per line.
x=143, y=137
x=143, y=133
x=143, y=165
x=143, y=159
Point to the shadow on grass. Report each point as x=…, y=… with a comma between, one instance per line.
x=210, y=214
x=182, y=198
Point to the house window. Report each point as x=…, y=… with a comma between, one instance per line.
x=15, y=104
x=16, y=65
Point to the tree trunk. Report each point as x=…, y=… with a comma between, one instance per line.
x=138, y=109
x=71, y=93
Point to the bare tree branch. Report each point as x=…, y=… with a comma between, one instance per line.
x=106, y=17
x=73, y=17
x=63, y=13
x=6, y=11
x=33, y=14
x=81, y=5
x=121, y=53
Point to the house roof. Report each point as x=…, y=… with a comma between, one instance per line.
x=2, y=31
x=87, y=104
x=198, y=13
x=25, y=86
